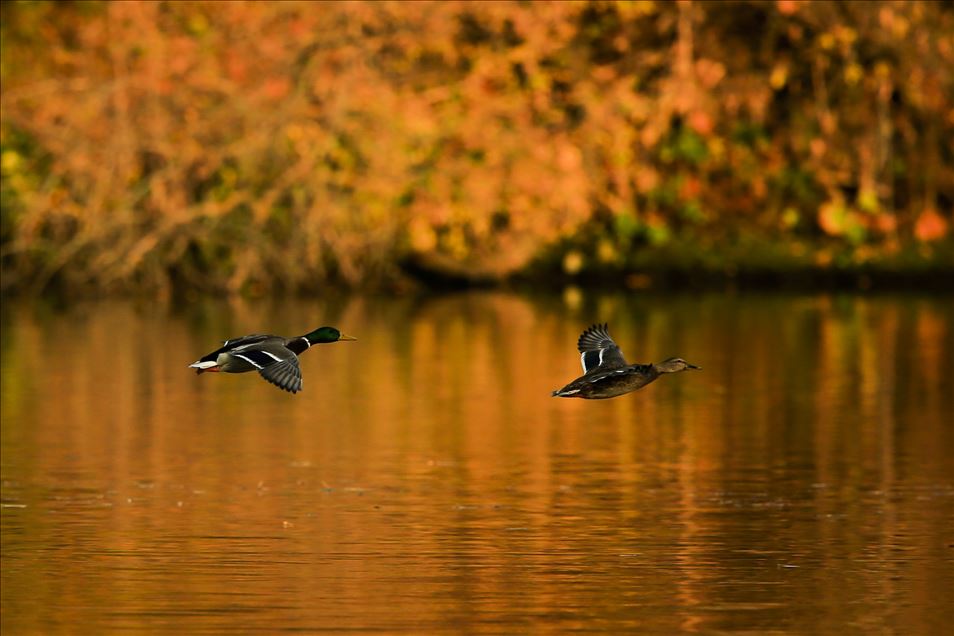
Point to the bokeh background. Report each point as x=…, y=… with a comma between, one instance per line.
x=178, y=173
x=250, y=147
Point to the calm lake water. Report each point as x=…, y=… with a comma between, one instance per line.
x=425, y=480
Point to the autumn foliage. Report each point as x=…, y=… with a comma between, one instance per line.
x=248, y=146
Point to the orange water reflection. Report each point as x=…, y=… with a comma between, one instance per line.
x=426, y=480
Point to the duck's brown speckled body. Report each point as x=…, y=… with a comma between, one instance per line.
x=606, y=373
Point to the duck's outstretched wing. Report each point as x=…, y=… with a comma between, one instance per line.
x=285, y=374
x=598, y=351
x=274, y=361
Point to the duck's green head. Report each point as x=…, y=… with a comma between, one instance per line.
x=674, y=365
x=324, y=335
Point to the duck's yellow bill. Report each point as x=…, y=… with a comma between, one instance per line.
x=346, y=337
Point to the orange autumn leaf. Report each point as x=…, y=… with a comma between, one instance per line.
x=787, y=7
x=930, y=226
x=886, y=223
x=830, y=218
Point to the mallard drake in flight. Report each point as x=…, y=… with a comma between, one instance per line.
x=606, y=373
x=274, y=357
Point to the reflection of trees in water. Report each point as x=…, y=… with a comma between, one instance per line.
x=817, y=436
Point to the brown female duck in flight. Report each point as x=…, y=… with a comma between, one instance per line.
x=606, y=373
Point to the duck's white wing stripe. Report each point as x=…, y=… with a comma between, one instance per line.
x=261, y=358
x=591, y=359
x=249, y=360
x=588, y=362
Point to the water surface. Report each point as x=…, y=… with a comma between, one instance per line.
x=426, y=481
